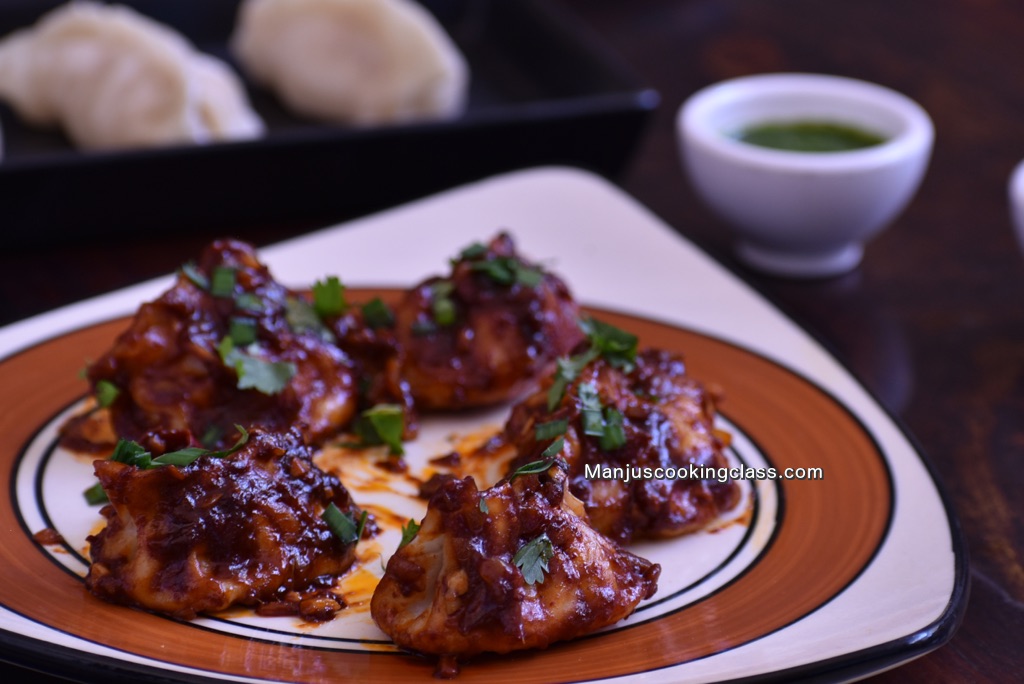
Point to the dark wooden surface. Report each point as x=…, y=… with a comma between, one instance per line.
x=933, y=320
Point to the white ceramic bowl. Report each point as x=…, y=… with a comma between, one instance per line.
x=1016, y=188
x=803, y=213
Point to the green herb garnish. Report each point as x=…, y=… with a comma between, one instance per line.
x=302, y=318
x=547, y=459
x=247, y=301
x=192, y=272
x=343, y=525
x=550, y=430
x=567, y=369
x=268, y=377
x=617, y=346
x=441, y=305
x=382, y=424
x=242, y=331
x=474, y=251
x=483, y=506
x=329, y=297
x=532, y=559
x=590, y=407
x=614, y=435
x=95, y=495
x=134, y=454
x=222, y=282
x=377, y=314
x=508, y=270
x=409, y=531
x=106, y=393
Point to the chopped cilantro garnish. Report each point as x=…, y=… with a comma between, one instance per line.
x=474, y=251
x=268, y=377
x=329, y=297
x=548, y=457
x=614, y=435
x=106, y=393
x=567, y=369
x=617, y=346
x=343, y=525
x=550, y=430
x=377, y=314
x=382, y=424
x=604, y=423
x=302, y=318
x=132, y=453
x=533, y=557
x=554, y=448
x=190, y=271
x=441, y=305
x=188, y=455
x=590, y=407
x=248, y=301
x=508, y=270
x=222, y=282
x=409, y=531
x=95, y=495
x=242, y=331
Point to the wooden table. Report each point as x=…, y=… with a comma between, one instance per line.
x=932, y=322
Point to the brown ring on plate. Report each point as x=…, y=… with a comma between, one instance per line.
x=832, y=529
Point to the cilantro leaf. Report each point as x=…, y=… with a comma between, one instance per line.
x=567, y=369
x=532, y=559
x=222, y=282
x=617, y=346
x=95, y=495
x=409, y=531
x=343, y=525
x=302, y=318
x=473, y=252
x=441, y=304
x=593, y=423
x=268, y=377
x=193, y=274
x=106, y=393
x=614, y=435
x=242, y=331
x=329, y=297
x=377, y=314
x=548, y=457
x=550, y=429
x=382, y=424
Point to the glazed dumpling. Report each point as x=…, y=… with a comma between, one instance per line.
x=112, y=78
x=352, y=61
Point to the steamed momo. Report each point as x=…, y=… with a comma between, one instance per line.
x=352, y=61
x=112, y=78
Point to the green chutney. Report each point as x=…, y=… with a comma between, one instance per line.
x=809, y=136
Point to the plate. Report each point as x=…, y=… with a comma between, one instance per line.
x=853, y=565
x=542, y=91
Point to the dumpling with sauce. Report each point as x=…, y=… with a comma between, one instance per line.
x=357, y=62
x=113, y=78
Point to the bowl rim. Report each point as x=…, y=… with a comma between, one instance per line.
x=694, y=117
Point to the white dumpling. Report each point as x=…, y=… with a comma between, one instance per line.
x=222, y=102
x=112, y=78
x=352, y=61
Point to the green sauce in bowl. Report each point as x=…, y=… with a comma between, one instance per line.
x=809, y=136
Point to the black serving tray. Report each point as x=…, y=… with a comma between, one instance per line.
x=542, y=92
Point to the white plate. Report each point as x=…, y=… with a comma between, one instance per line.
x=899, y=593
